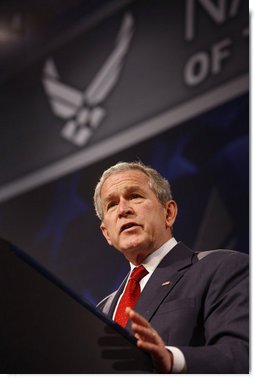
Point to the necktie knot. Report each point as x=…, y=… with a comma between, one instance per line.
x=138, y=273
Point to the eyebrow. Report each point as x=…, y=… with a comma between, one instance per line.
x=127, y=189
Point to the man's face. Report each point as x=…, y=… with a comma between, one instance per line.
x=134, y=221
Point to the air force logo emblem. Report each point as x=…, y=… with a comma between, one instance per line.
x=83, y=111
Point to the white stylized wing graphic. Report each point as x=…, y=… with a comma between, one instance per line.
x=106, y=78
x=64, y=100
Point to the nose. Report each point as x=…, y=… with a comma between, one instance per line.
x=124, y=208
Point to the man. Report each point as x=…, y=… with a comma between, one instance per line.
x=192, y=312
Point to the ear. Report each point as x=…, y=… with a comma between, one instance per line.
x=105, y=233
x=171, y=212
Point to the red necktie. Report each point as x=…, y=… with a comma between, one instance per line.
x=130, y=295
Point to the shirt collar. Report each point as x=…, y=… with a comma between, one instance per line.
x=152, y=261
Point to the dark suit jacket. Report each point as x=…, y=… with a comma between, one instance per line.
x=200, y=306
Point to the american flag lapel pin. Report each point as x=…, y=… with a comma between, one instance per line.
x=166, y=283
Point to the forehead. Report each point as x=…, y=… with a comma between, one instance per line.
x=124, y=180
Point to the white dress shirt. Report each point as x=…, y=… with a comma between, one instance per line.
x=150, y=264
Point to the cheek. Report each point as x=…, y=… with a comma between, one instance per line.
x=155, y=212
x=155, y=219
x=112, y=232
x=107, y=229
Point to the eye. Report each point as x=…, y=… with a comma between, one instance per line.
x=135, y=196
x=111, y=204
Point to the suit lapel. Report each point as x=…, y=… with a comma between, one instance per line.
x=166, y=275
x=115, y=296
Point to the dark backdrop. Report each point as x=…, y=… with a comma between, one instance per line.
x=196, y=135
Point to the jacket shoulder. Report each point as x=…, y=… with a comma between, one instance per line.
x=221, y=254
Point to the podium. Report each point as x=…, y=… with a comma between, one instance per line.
x=45, y=328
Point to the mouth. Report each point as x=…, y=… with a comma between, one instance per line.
x=128, y=226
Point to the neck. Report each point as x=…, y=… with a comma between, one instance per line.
x=137, y=259
x=137, y=256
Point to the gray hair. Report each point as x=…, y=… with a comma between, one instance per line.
x=159, y=185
